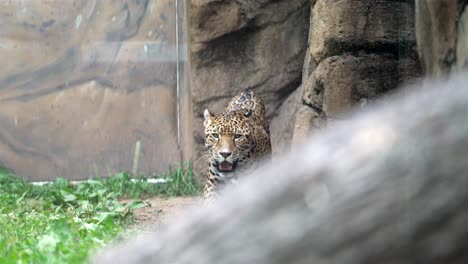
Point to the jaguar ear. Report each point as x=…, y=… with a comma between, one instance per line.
x=249, y=113
x=208, y=118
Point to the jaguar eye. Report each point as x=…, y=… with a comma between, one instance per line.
x=237, y=136
x=215, y=135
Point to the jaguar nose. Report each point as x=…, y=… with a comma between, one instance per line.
x=225, y=154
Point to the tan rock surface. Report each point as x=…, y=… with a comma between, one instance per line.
x=462, y=40
x=358, y=51
x=282, y=124
x=82, y=82
x=352, y=25
x=306, y=123
x=442, y=36
x=340, y=82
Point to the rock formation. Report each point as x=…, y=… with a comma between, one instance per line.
x=358, y=51
x=235, y=44
x=442, y=33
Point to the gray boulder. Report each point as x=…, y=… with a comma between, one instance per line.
x=388, y=185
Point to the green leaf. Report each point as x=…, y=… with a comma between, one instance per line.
x=103, y=216
x=68, y=197
x=47, y=243
x=137, y=204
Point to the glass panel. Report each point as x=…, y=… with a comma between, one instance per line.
x=83, y=81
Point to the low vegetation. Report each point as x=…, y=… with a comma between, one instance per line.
x=63, y=222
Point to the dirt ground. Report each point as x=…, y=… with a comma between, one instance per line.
x=160, y=210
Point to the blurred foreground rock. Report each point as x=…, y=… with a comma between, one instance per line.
x=387, y=186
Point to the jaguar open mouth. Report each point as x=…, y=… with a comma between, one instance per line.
x=226, y=166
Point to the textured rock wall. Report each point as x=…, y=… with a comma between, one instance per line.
x=442, y=34
x=82, y=81
x=358, y=50
x=236, y=44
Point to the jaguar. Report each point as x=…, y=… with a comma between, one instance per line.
x=238, y=140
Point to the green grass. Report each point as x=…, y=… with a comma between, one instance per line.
x=180, y=182
x=65, y=223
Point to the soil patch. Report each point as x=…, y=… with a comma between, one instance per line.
x=160, y=210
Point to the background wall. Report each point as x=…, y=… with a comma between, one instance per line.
x=82, y=81
x=240, y=44
x=358, y=51
x=442, y=33
x=310, y=60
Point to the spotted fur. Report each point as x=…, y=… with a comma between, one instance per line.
x=239, y=137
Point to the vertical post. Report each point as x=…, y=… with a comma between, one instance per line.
x=184, y=106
